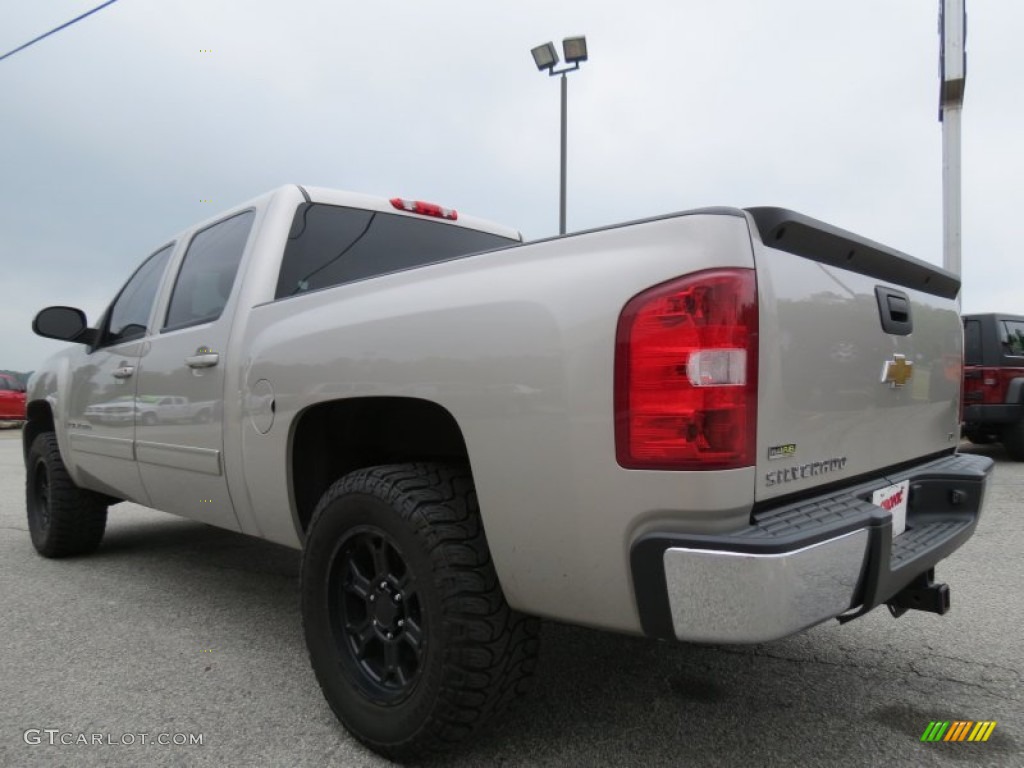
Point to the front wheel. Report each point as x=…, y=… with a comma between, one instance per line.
x=408, y=631
x=63, y=519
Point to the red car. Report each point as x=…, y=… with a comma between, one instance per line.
x=12, y=399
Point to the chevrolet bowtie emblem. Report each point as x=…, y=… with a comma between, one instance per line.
x=897, y=372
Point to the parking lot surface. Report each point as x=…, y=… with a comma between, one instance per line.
x=184, y=632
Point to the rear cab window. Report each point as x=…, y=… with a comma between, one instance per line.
x=332, y=245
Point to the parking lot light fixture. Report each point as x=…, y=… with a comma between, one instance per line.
x=575, y=49
x=546, y=58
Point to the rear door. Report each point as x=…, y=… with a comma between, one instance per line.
x=860, y=356
x=180, y=458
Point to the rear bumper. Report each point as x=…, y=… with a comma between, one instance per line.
x=805, y=562
x=1001, y=413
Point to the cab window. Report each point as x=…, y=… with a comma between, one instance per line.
x=128, y=317
x=208, y=271
x=333, y=245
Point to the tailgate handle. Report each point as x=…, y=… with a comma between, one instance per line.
x=894, y=311
x=898, y=309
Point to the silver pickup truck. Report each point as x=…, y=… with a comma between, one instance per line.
x=719, y=426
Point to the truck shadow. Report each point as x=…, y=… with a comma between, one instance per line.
x=598, y=698
x=608, y=699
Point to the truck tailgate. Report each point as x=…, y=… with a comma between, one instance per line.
x=860, y=355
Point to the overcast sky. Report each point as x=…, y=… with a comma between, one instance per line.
x=115, y=130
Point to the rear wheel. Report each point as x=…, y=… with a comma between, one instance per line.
x=63, y=519
x=408, y=631
x=1013, y=440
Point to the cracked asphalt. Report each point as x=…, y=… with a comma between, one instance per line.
x=174, y=627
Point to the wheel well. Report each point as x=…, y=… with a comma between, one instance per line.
x=38, y=419
x=332, y=439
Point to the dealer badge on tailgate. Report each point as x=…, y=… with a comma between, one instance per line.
x=894, y=499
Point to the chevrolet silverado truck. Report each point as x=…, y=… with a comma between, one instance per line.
x=993, y=390
x=716, y=426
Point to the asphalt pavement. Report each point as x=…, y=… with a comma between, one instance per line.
x=178, y=632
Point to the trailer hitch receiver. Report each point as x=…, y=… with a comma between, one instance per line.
x=922, y=594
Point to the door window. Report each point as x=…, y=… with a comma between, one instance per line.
x=208, y=272
x=129, y=314
x=1013, y=338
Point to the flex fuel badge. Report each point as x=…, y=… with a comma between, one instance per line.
x=787, y=451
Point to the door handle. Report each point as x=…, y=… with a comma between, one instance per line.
x=204, y=360
x=124, y=372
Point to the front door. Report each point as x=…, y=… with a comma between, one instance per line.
x=101, y=406
x=179, y=430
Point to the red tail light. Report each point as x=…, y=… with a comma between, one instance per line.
x=686, y=374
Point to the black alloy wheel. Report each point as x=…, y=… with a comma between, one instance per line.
x=376, y=615
x=39, y=495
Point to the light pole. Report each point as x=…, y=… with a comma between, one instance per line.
x=546, y=58
x=952, y=76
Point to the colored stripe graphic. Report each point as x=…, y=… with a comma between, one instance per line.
x=958, y=730
x=982, y=731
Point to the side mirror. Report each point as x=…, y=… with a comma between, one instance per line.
x=63, y=323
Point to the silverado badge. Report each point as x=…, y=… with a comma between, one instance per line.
x=897, y=372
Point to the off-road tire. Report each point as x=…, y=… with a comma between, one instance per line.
x=63, y=519
x=418, y=528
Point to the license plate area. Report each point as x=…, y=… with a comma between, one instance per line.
x=894, y=499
